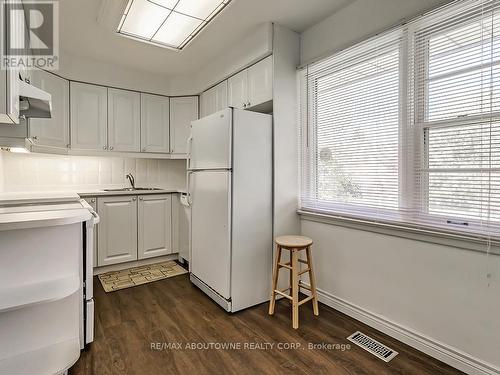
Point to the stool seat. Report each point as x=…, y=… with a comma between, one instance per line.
x=294, y=241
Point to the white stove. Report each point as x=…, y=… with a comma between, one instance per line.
x=46, y=293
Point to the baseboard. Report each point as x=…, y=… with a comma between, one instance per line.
x=425, y=344
x=135, y=263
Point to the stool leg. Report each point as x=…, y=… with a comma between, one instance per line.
x=312, y=281
x=277, y=259
x=295, y=288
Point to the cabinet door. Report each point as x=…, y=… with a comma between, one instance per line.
x=54, y=131
x=208, y=102
x=154, y=123
x=237, y=90
x=124, y=120
x=93, y=203
x=214, y=100
x=260, y=82
x=10, y=92
x=221, y=96
x=117, y=230
x=183, y=110
x=154, y=226
x=89, y=116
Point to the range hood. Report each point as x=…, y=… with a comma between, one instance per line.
x=33, y=102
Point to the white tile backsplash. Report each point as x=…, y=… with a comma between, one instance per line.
x=29, y=172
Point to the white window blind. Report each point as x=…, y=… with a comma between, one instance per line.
x=406, y=126
x=456, y=72
x=350, y=161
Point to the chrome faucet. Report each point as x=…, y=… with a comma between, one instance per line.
x=131, y=178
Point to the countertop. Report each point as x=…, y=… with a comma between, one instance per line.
x=103, y=193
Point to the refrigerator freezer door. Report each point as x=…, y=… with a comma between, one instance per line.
x=210, y=229
x=211, y=142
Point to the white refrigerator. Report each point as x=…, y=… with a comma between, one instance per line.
x=230, y=194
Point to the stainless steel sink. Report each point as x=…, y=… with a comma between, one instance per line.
x=132, y=189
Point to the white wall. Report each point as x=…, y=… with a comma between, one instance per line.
x=433, y=294
x=93, y=71
x=357, y=21
x=436, y=291
x=286, y=57
x=24, y=172
x=251, y=49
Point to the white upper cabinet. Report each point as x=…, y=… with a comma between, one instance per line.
x=260, y=82
x=54, y=131
x=89, y=116
x=252, y=86
x=214, y=99
x=155, y=120
x=124, y=120
x=237, y=90
x=154, y=225
x=9, y=78
x=183, y=110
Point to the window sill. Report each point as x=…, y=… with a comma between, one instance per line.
x=418, y=233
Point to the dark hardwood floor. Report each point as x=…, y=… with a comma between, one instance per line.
x=174, y=311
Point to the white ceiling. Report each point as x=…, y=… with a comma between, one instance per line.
x=87, y=29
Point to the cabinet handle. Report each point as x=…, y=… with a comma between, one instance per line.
x=104, y=147
x=92, y=200
x=248, y=104
x=34, y=137
x=111, y=147
x=140, y=198
x=144, y=149
x=133, y=198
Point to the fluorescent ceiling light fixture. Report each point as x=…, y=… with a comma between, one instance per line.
x=168, y=23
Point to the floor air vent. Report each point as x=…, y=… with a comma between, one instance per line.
x=373, y=346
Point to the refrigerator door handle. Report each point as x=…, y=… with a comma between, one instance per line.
x=189, y=201
x=189, y=147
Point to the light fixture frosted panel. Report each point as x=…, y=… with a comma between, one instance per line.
x=176, y=29
x=170, y=4
x=168, y=23
x=143, y=19
x=197, y=8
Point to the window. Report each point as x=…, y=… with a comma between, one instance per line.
x=355, y=112
x=406, y=126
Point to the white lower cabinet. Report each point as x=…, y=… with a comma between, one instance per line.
x=135, y=227
x=117, y=230
x=154, y=226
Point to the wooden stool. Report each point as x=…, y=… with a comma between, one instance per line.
x=294, y=244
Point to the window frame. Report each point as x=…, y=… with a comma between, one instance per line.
x=413, y=150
